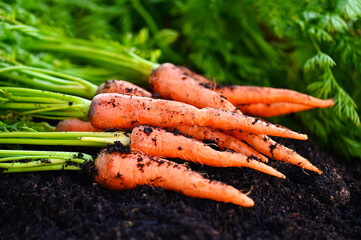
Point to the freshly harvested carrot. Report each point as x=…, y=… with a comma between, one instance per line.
x=272, y=109
x=252, y=94
x=270, y=148
x=118, y=171
x=221, y=139
x=171, y=83
x=239, y=95
x=111, y=110
x=123, y=87
x=158, y=142
x=75, y=125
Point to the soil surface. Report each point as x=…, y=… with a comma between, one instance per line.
x=70, y=205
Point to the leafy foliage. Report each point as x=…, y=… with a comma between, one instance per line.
x=13, y=123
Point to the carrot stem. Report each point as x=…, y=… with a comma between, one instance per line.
x=43, y=168
x=112, y=59
x=97, y=139
x=47, y=80
x=25, y=161
x=42, y=103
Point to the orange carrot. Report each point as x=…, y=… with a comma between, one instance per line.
x=123, y=87
x=272, y=109
x=238, y=95
x=158, y=142
x=119, y=171
x=221, y=139
x=252, y=94
x=270, y=148
x=171, y=83
x=197, y=77
x=75, y=125
x=111, y=110
x=200, y=133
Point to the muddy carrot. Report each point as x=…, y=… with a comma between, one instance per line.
x=221, y=139
x=75, y=125
x=199, y=78
x=123, y=87
x=119, y=171
x=159, y=142
x=125, y=112
x=270, y=148
x=272, y=109
x=171, y=83
x=253, y=94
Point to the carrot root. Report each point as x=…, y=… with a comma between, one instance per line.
x=118, y=171
x=75, y=125
x=272, y=109
x=252, y=94
x=171, y=83
x=238, y=95
x=210, y=117
x=126, y=112
x=272, y=149
x=122, y=87
x=221, y=139
x=197, y=77
x=159, y=142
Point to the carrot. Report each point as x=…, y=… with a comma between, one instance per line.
x=119, y=171
x=238, y=95
x=197, y=77
x=252, y=94
x=123, y=87
x=272, y=109
x=111, y=110
x=171, y=83
x=75, y=125
x=270, y=148
x=221, y=139
x=158, y=142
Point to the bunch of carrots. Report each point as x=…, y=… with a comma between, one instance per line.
x=184, y=110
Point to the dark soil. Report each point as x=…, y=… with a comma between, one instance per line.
x=69, y=205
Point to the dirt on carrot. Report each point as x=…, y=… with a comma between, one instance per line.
x=221, y=139
x=272, y=149
x=159, y=142
x=122, y=87
x=119, y=171
x=199, y=78
x=239, y=95
x=171, y=83
x=126, y=112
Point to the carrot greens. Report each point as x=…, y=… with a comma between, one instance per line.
x=88, y=139
x=42, y=103
x=12, y=161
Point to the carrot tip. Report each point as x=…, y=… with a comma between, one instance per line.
x=311, y=167
x=303, y=137
x=248, y=202
x=318, y=171
x=282, y=176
